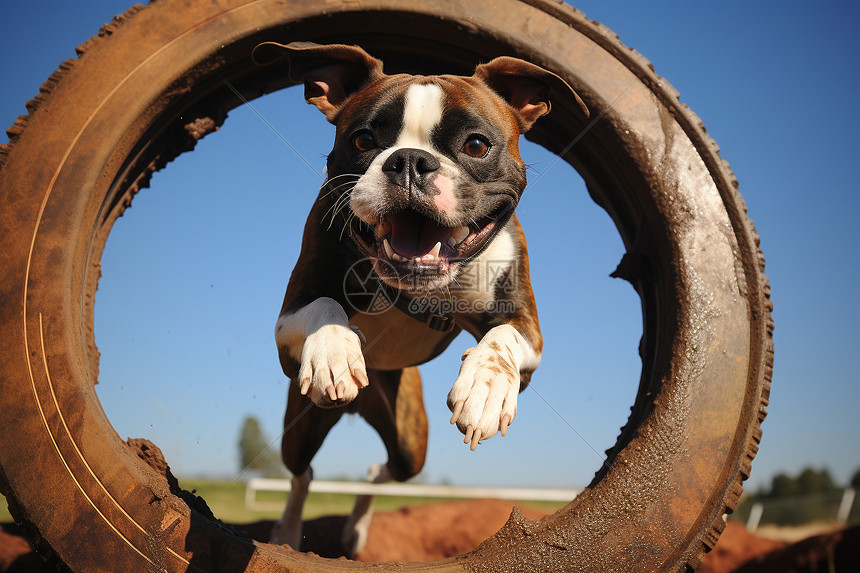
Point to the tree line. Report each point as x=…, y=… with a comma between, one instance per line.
x=809, y=481
x=810, y=495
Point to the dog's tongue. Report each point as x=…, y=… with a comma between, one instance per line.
x=413, y=235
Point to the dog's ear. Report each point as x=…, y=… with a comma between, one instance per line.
x=331, y=73
x=526, y=87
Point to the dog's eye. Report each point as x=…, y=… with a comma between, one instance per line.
x=476, y=147
x=363, y=141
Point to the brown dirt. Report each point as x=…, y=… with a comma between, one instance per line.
x=735, y=547
x=16, y=556
x=836, y=551
x=436, y=531
x=417, y=533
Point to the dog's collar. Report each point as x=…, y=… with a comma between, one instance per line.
x=442, y=322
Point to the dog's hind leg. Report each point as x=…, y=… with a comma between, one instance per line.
x=354, y=536
x=288, y=529
x=305, y=428
x=394, y=405
x=395, y=409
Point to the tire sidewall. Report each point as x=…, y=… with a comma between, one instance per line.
x=647, y=161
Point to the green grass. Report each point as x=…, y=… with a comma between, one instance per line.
x=4, y=511
x=227, y=502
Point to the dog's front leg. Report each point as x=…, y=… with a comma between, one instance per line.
x=327, y=348
x=484, y=396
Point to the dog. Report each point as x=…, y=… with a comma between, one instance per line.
x=416, y=218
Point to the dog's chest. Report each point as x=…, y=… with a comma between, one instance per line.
x=396, y=340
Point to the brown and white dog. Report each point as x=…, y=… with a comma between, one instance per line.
x=420, y=193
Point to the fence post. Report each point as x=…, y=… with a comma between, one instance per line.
x=755, y=516
x=845, y=505
x=250, y=492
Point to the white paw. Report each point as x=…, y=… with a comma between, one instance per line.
x=332, y=366
x=484, y=397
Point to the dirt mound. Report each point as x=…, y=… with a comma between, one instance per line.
x=417, y=533
x=835, y=551
x=735, y=547
x=16, y=556
x=437, y=531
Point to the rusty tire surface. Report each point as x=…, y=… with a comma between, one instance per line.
x=156, y=79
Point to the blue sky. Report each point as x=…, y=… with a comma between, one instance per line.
x=194, y=273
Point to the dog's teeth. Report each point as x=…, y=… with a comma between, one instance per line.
x=389, y=252
x=452, y=242
x=460, y=233
x=434, y=253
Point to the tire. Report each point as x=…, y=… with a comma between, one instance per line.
x=151, y=84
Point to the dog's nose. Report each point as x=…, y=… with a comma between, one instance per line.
x=409, y=167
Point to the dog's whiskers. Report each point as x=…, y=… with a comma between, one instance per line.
x=336, y=187
x=339, y=204
x=332, y=179
x=348, y=222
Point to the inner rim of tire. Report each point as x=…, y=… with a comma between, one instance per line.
x=613, y=177
x=612, y=180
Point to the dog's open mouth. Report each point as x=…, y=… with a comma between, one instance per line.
x=411, y=241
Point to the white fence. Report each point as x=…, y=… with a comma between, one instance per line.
x=827, y=507
x=401, y=489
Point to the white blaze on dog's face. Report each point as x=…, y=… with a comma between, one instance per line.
x=441, y=174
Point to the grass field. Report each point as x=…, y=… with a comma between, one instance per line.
x=4, y=511
x=227, y=502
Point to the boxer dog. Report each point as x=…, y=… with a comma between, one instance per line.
x=417, y=213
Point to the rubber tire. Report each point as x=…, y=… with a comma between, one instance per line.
x=151, y=84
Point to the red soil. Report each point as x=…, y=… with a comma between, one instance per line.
x=735, y=547
x=431, y=532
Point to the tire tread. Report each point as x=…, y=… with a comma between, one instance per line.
x=40, y=100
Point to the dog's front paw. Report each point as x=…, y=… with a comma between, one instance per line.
x=484, y=397
x=332, y=370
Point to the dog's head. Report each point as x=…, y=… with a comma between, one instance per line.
x=428, y=165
